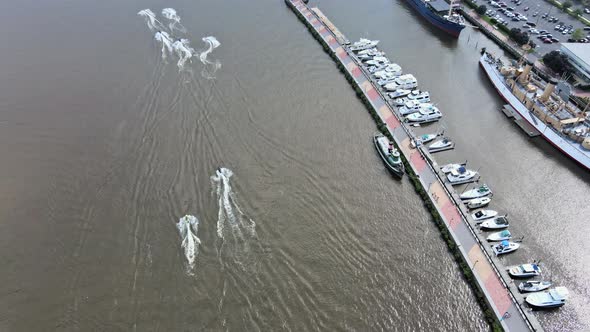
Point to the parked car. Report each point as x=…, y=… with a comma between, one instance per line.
x=543, y=31
x=534, y=31
x=547, y=41
x=586, y=10
x=531, y=24
x=535, y=14
x=545, y=15
x=555, y=40
x=526, y=9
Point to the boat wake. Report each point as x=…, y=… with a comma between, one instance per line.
x=229, y=212
x=211, y=67
x=179, y=46
x=188, y=227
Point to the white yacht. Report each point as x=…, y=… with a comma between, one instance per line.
x=426, y=138
x=386, y=79
x=500, y=236
x=390, y=68
x=426, y=114
x=376, y=68
x=552, y=298
x=505, y=247
x=495, y=223
x=399, y=93
x=524, y=271
x=363, y=44
x=376, y=61
x=412, y=106
x=478, y=202
x=483, y=215
x=450, y=167
x=407, y=81
x=368, y=51
x=461, y=175
x=371, y=54
x=481, y=191
x=533, y=286
x=441, y=145
x=415, y=95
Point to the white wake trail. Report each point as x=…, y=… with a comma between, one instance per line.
x=164, y=38
x=229, y=212
x=170, y=13
x=183, y=51
x=211, y=67
x=151, y=20
x=188, y=227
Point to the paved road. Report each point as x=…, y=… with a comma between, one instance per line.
x=540, y=7
x=442, y=195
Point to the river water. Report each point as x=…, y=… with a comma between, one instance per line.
x=106, y=146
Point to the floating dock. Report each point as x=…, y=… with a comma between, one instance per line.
x=509, y=111
x=490, y=275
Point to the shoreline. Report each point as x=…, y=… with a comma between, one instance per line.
x=500, y=307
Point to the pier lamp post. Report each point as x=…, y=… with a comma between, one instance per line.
x=473, y=267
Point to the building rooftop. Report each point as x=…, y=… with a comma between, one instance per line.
x=581, y=50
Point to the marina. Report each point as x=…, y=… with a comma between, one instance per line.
x=501, y=293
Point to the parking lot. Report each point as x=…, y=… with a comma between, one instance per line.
x=535, y=14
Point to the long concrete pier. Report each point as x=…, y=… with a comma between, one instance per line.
x=491, y=277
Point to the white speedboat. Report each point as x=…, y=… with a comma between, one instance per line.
x=450, y=167
x=478, y=202
x=524, y=271
x=368, y=51
x=483, y=215
x=496, y=222
x=421, y=96
x=374, y=69
x=426, y=138
x=363, y=44
x=399, y=93
x=505, y=247
x=386, y=80
x=533, y=286
x=370, y=55
x=500, y=236
x=376, y=61
x=426, y=114
x=385, y=75
x=552, y=298
x=441, y=145
x=407, y=81
x=411, y=107
x=461, y=174
x=390, y=68
x=481, y=191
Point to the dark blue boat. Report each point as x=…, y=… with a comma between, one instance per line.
x=439, y=13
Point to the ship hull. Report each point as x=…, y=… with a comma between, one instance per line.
x=546, y=132
x=451, y=28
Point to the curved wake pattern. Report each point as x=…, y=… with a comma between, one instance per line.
x=170, y=14
x=164, y=38
x=211, y=67
x=229, y=212
x=183, y=51
x=150, y=19
x=188, y=227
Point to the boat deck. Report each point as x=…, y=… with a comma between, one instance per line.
x=490, y=275
x=522, y=123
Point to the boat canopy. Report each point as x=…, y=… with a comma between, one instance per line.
x=505, y=233
x=461, y=169
x=439, y=5
x=505, y=243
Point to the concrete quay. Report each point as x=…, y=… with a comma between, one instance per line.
x=490, y=276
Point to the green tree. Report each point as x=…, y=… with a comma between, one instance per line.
x=578, y=12
x=519, y=36
x=578, y=34
x=556, y=61
x=481, y=10
x=566, y=4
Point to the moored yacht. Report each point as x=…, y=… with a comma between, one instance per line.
x=399, y=93
x=552, y=298
x=478, y=202
x=524, y=271
x=392, y=68
x=389, y=154
x=449, y=167
x=495, y=223
x=415, y=95
x=461, y=175
x=505, y=247
x=533, y=286
x=363, y=44
x=425, y=114
x=483, y=215
x=412, y=106
x=481, y=191
x=500, y=236
x=407, y=81
x=441, y=145
x=376, y=61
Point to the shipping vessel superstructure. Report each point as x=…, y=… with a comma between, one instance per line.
x=440, y=14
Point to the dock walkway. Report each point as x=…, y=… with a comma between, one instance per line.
x=502, y=296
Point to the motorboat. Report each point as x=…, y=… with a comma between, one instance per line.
x=385, y=75
x=378, y=60
x=391, y=68
x=505, y=247
x=426, y=138
x=373, y=52
x=412, y=107
x=450, y=167
x=480, y=191
x=483, y=215
x=407, y=81
x=399, y=93
x=426, y=114
x=441, y=145
x=368, y=51
x=500, y=236
x=363, y=44
x=461, y=174
x=478, y=202
x=495, y=223
x=524, y=271
x=390, y=78
x=421, y=96
x=377, y=68
x=533, y=286
x=389, y=154
x=548, y=299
